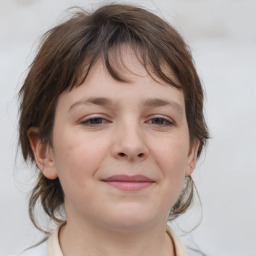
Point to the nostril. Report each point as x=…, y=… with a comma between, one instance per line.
x=122, y=154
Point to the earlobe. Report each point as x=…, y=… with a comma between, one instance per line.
x=192, y=157
x=43, y=154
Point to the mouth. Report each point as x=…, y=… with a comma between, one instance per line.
x=129, y=183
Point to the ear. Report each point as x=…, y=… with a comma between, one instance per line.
x=43, y=154
x=192, y=157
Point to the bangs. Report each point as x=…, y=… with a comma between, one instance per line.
x=106, y=39
x=113, y=55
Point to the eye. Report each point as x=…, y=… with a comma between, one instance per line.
x=160, y=121
x=94, y=121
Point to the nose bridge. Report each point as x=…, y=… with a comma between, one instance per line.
x=129, y=141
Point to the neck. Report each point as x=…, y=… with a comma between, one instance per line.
x=84, y=240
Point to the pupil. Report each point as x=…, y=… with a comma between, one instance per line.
x=158, y=121
x=96, y=120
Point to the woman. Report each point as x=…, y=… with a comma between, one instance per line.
x=112, y=115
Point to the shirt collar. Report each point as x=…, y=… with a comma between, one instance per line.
x=55, y=250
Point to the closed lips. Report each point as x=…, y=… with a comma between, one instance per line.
x=129, y=183
x=127, y=178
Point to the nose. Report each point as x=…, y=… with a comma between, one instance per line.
x=129, y=144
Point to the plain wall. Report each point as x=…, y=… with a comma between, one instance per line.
x=222, y=36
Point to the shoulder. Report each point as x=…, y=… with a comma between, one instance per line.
x=39, y=250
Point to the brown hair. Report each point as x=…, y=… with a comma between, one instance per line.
x=66, y=55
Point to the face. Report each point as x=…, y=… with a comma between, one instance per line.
x=120, y=150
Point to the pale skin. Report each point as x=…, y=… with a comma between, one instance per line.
x=104, y=128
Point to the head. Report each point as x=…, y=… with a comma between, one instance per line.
x=69, y=52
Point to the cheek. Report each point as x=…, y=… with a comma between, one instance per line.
x=172, y=159
x=76, y=159
x=172, y=156
x=75, y=166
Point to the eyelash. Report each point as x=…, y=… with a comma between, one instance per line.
x=165, y=122
x=97, y=121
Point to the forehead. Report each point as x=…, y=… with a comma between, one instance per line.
x=127, y=59
x=140, y=86
x=122, y=61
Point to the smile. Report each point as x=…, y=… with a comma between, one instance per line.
x=129, y=183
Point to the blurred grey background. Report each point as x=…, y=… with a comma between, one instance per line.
x=222, y=36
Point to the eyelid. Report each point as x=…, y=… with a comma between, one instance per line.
x=163, y=117
x=87, y=118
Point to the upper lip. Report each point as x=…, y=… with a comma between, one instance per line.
x=128, y=178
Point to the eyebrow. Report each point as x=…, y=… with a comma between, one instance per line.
x=101, y=101
x=151, y=102
x=155, y=102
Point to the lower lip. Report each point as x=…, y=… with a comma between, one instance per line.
x=130, y=186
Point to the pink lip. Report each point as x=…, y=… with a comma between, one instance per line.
x=129, y=183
